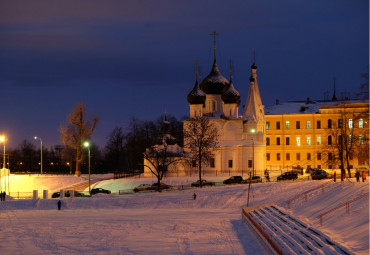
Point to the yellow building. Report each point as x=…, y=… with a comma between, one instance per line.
x=303, y=134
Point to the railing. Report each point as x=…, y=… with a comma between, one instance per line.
x=322, y=187
x=346, y=204
x=21, y=195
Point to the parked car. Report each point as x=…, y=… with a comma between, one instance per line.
x=320, y=174
x=99, y=190
x=142, y=187
x=254, y=179
x=163, y=186
x=288, y=176
x=234, y=179
x=310, y=170
x=204, y=183
x=68, y=194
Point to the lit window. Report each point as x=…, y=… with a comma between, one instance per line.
x=361, y=139
x=350, y=123
x=318, y=140
x=287, y=124
x=298, y=140
x=267, y=125
x=361, y=123
x=308, y=124
x=308, y=140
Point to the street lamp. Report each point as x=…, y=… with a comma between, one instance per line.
x=253, y=131
x=41, y=150
x=87, y=145
x=2, y=139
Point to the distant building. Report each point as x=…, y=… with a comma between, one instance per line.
x=286, y=136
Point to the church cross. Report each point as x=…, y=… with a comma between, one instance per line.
x=254, y=56
x=214, y=43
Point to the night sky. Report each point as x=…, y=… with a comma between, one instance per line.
x=127, y=59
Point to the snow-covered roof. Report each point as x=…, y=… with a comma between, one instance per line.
x=302, y=107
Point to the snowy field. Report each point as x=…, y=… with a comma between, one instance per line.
x=172, y=222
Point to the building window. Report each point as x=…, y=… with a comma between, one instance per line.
x=193, y=163
x=308, y=140
x=319, y=166
x=267, y=140
x=249, y=163
x=361, y=139
x=308, y=156
x=267, y=125
x=298, y=156
x=360, y=123
x=268, y=156
x=319, y=156
x=212, y=162
x=318, y=124
x=298, y=140
x=318, y=140
x=330, y=167
x=277, y=140
x=287, y=124
x=329, y=123
x=287, y=156
x=230, y=163
x=287, y=140
x=278, y=156
x=350, y=123
x=308, y=124
x=277, y=124
x=329, y=140
x=340, y=123
x=350, y=139
x=297, y=124
x=330, y=156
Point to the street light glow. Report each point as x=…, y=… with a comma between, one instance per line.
x=253, y=130
x=86, y=144
x=2, y=138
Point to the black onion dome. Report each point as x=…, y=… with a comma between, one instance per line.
x=231, y=95
x=254, y=66
x=251, y=79
x=196, y=96
x=214, y=83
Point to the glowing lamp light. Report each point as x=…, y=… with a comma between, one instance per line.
x=253, y=130
x=2, y=138
x=86, y=144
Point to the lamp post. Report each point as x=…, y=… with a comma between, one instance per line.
x=253, y=131
x=40, y=151
x=2, y=139
x=87, y=145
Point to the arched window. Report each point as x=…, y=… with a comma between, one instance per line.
x=329, y=140
x=361, y=123
x=361, y=139
x=329, y=123
x=340, y=123
x=350, y=123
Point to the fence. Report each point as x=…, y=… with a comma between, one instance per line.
x=21, y=195
x=322, y=187
x=346, y=204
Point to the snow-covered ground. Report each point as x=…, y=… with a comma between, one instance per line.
x=172, y=222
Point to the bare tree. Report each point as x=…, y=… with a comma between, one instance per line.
x=161, y=156
x=77, y=130
x=201, y=140
x=347, y=139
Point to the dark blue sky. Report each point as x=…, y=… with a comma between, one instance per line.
x=131, y=58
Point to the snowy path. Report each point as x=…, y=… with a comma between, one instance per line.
x=126, y=231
